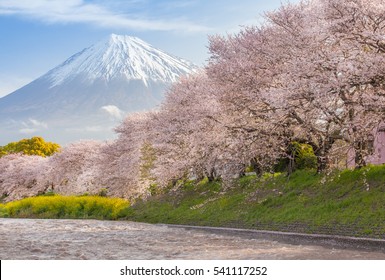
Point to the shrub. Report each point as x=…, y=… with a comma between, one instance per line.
x=103, y=192
x=57, y=206
x=304, y=156
x=301, y=157
x=33, y=146
x=3, y=211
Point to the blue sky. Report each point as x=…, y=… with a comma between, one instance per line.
x=37, y=35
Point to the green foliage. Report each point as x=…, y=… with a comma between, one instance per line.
x=2, y=152
x=103, y=192
x=3, y=211
x=249, y=169
x=154, y=189
x=147, y=158
x=304, y=156
x=34, y=146
x=4, y=196
x=48, y=193
x=68, y=207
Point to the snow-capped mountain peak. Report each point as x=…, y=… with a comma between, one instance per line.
x=120, y=56
x=88, y=94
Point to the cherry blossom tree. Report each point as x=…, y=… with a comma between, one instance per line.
x=314, y=71
x=335, y=70
x=253, y=107
x=22, y=176
x=75, y=169
x=122, y=158
x=187, y=136
x=358, y=33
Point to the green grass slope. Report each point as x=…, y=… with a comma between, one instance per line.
x=351, y=202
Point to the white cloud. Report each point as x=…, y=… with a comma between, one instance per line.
x=32, y=126
x=78, y=11
x=96, y=128
x=36, y=123
x=113, y=111
x=27, y=130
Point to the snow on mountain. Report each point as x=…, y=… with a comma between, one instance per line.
x=88, y=94
x=126, y=56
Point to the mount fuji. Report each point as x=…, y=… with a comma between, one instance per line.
x=88, y=94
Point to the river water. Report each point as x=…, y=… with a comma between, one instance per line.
x=118, y=240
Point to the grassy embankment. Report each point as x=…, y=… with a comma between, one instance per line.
x=345, y=203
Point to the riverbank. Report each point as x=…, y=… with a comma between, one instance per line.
x=345, y=203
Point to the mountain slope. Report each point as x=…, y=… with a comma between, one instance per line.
x=85, y=96
x=125, y=56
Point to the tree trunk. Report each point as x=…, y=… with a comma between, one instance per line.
x=256, y=167
x=291, y=165
x=322, y=163
x=322, y=153
x=359, y=158
x=212, y=175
